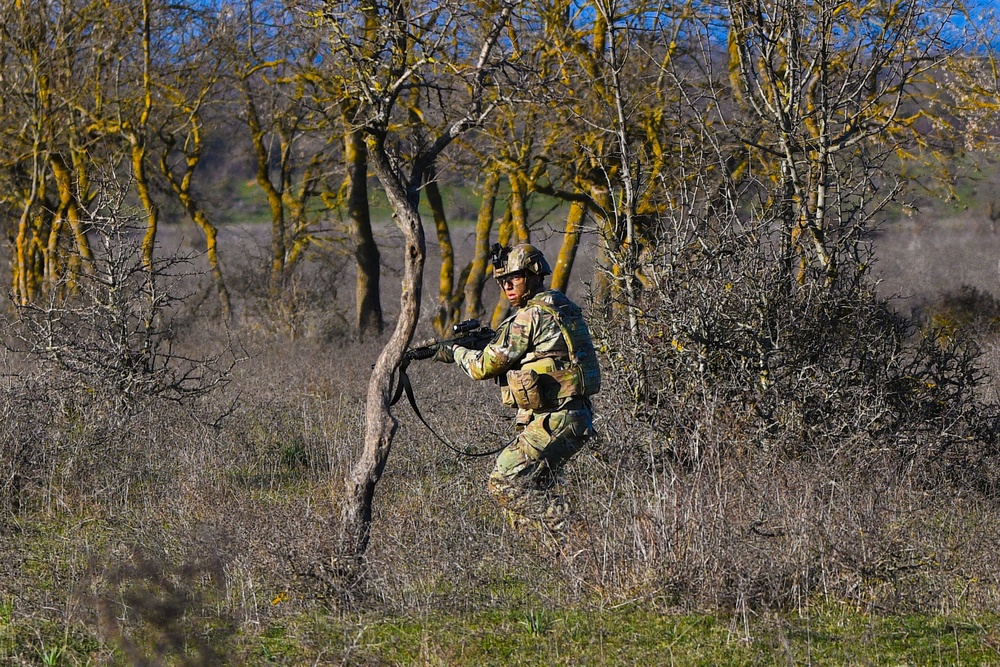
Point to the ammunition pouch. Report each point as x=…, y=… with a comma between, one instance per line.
x=524, y=389
x=539, y=385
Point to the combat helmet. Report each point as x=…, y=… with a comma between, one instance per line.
x=522, y=257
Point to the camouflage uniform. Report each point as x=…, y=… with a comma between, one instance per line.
x=547, y=436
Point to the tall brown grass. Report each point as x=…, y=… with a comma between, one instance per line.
x=206, y=517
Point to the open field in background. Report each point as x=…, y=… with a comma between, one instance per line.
x=202, y=534
x=920, y=258
x=238, y=202
x=940, y=259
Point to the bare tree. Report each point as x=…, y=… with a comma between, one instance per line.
x=759, y=306
x=191, y=82
x=476, y=275
x=832, y=92
x=51, y=66
x=418, y=47
x=296, y=155
x=368, y=300
x=113, y=333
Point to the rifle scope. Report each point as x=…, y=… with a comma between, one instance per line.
x=465, y=327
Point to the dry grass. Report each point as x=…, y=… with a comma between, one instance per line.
x=185, y=525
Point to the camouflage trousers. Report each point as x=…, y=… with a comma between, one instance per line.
x=525, y=472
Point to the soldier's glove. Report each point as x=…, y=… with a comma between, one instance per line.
x=445, y=353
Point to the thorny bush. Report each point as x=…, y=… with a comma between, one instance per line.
x=804, y=368
x=108, y=328
x=787, y=436
x=91, y=359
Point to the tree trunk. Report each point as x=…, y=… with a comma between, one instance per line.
x=68, y=211
x=368, y=303
x=610, y=243
x=182, y=189
x=444, y=317
x=502, y=309
x=146, y=197
x=277, y=207
x=23, y=269
x=477, y=270
x=211, y=249
x=567, y=251
x=356, y=516
x=137, y=138
x=519, y=207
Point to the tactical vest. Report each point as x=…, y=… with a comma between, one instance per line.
x=544, y=382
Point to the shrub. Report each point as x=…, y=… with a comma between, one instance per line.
x=783, y=437
x=965, y=312
x=109, y=329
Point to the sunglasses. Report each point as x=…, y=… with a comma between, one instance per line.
x=511, y=279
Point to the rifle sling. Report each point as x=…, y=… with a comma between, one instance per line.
x=404, y=386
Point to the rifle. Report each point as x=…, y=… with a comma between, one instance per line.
x=469, y=333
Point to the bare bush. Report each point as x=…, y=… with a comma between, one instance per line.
x=967, y=311
x=108, y=329
x=27, y=417
x=782, y=439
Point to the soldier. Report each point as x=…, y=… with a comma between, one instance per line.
x=544, y=360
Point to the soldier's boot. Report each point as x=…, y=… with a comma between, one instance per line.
x=556, y=514
x=515, y=501
x=514, y=520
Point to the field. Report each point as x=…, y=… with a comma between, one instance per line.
x=202, y=532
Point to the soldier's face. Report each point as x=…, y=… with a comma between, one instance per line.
x=518, y=288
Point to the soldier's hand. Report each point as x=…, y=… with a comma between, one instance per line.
x=445, y=353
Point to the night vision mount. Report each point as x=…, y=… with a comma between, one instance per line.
x=498, y=256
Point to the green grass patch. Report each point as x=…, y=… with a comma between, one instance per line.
x=246, y=203
x=546, y=635
x=541, y=635
x=33, y=641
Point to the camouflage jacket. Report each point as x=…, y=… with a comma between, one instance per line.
x=529, y=335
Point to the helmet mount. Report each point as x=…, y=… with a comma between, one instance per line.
x=498, y=255
x=522, y=258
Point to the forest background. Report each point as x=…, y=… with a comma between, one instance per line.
x=780, y=216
